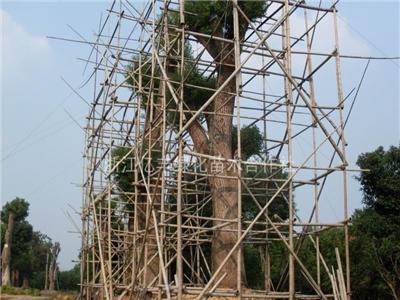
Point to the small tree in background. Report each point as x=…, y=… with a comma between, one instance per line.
x=17, y=233
x=41, y=246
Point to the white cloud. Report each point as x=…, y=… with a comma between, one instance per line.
x=22, y=53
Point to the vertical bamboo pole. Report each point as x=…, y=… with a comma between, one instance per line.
x=162, y=270
x=289, y=98
x=343, y=148
x=238, y=81
x=179, y=266
x=314, y=144
x=267, y=262
x=150, y=110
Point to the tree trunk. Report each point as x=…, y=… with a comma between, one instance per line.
x=153, y=131
x=46, y=280
x=25, y=282
x=6, y=255
x=53, y=266
x=224, y=191
x=15, y=278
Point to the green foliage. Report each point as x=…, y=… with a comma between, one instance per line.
x=201, y=14
x=264, y=190
x=69, y=280
x=328, y=241
x=367, y=282
x=197, y=89
x=40, y=246
x=18, y=206
x=253, y=267
x=140, y=69
x=198, y=86
x=381, y=184
x=21, y=235
x=21, y=251
x=250, y=141
x=377, y=226
x=123, y=174
x=194, y=97
x=28, y=248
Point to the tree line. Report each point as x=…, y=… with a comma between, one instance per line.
x=29, y=257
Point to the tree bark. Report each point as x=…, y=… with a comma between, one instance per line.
x=224, y=191
x=25, y=282
x=153, y=131
x=6, y=255
x=53, y=266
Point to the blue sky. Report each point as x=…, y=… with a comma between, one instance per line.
x=41, y=142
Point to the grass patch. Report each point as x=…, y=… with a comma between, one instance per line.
x=10, y=290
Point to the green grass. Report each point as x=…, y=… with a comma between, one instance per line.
x=9, y=290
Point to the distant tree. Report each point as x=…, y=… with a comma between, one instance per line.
x=29, y=248
x=15, y=252
x=366, y=280
x=380, y=184
x=20, y=208
x=377, y=226
x=41, y=246
x=6, y=253
x=21, y=255
x=69, y=280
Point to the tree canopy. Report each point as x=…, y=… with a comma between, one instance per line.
x=377, y=226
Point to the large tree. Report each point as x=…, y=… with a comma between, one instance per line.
x=213, y=137
x=216, y=18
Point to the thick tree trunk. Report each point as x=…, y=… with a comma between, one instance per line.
x=153, y=131
x=219, y=144
x=224, y=191
x=6, y=255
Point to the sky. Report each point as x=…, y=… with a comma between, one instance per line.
x=42, y=119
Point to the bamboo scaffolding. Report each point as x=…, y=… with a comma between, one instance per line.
x=151, y=238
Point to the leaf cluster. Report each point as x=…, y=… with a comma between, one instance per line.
x=201, y=14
